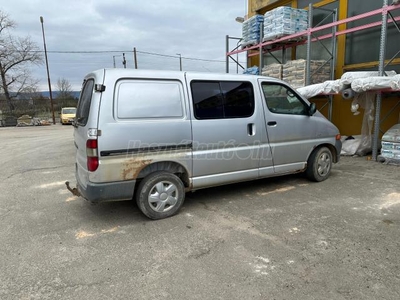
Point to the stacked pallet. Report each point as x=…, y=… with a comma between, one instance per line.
x=295, y=72
x=283, y=21
x=251, y=31
x=273, y=70
x=391, y=144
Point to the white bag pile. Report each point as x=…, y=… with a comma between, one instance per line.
x=391, y=143
x=294, y=72
x=352, y=83
x=283, y=21
x=273, y=70
x=251, y=30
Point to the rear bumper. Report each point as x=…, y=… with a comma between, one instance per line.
x=110, y=191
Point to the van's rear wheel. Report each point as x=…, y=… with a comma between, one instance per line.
x=319, y=164
x=160, y=195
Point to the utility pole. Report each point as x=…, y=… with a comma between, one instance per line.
x=134, y=57
x=48, y=73
x=124, y=60
x=180, y=61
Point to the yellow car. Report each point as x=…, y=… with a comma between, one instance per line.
x=67, y=115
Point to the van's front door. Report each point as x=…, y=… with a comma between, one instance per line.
x=291, y=131
x=226, y=131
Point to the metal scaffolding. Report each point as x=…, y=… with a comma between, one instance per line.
x=287, y=42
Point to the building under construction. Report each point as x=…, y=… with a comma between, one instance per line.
x=341, y=36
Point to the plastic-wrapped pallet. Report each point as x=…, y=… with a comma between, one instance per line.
x=391, y=144
x=251, y=30
x=272, y=70
x=295, y=72
x=283, y=21
x=251, y=71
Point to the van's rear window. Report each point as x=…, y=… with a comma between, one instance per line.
x=83, y=109
x=222, y=99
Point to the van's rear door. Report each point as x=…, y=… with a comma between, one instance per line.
x=86, y=123
x=143, y=119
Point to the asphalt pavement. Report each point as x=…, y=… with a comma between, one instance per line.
x=279, y=238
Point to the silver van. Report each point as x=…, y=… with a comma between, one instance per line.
x=154, y=135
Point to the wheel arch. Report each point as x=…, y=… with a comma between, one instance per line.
x=330, y=147
x=169, y=166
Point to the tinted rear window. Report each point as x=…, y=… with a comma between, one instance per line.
x=83, y=109
x=207, y=100
x=222, y=99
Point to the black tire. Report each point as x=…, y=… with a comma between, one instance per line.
x=167, y=191
x=319, y=164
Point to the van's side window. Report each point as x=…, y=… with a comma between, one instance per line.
x=149, y=99
x=207, y=100
x=222, y=99
x=281, y=99
x=82, y=112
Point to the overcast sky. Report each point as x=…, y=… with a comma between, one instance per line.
x=194, y=28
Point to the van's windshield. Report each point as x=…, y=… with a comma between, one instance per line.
x=69, y=111
x=83, y=109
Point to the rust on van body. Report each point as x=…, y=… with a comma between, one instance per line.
x=132, y=167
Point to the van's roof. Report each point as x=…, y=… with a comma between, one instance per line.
x=120, y=72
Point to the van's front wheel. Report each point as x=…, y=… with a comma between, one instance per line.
x=319, y=164
x=160, y=195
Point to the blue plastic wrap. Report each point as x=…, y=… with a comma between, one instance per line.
x=251, y=71
x=251, y=30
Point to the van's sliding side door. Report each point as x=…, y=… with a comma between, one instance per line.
x=226, y=130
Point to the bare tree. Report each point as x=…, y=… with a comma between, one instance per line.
x=16, y=54
x=65, y=96
x=64, y=89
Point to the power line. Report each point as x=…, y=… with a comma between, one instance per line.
x=129, y=51
x=87, y=52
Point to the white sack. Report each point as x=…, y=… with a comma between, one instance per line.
x=310, y=91
x=395, y=84
x=324, y=88
x=333, y=86
x=371, y=83
x=348, y=77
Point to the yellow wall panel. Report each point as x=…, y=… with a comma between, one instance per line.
x=260, y=4
x=342, y=117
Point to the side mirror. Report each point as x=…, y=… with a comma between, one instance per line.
x=312, y=109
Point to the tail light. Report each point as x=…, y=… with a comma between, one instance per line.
x=92, y=155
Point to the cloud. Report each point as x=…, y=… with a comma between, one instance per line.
x=195, y=29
